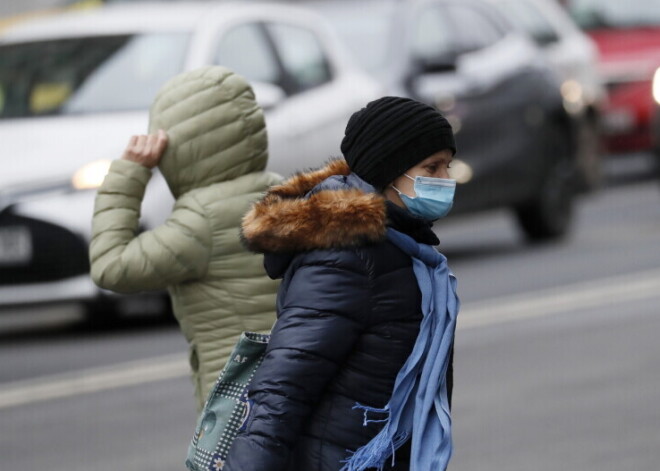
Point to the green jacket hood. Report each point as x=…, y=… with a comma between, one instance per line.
x=215, y=127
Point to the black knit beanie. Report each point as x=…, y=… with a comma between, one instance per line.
x=392, y=134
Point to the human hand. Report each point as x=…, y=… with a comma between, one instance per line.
x=146, y=150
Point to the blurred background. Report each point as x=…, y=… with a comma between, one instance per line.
x=554, y=235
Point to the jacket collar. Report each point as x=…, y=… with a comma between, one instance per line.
x=419, y=229
x=324, y=209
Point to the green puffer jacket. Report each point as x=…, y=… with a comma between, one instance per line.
x=214, y=166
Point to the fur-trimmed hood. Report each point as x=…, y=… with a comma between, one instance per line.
x=314, y=211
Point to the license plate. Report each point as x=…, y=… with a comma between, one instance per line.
x=15, y=245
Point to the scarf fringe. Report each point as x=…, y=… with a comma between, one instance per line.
x=375, y=453
x=375, y=410
x=379, y=449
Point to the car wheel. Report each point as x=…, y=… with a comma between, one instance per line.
x=549, y=215
x=590, y=152
x=103, y=312
x=110, y=311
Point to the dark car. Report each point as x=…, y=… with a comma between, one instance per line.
x=516, y=147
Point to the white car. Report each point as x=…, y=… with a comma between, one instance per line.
x=74, y=87
x=574, y=57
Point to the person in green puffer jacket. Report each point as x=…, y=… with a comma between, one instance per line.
x=212, y=137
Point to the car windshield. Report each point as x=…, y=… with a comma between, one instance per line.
x=615, y=14
x=363, y=26
x=87, y=74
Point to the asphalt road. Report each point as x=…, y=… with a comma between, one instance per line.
x=556, y=363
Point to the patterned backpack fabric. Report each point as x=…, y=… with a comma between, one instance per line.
x=226, y=408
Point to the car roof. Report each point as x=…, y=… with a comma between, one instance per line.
x=125, y=18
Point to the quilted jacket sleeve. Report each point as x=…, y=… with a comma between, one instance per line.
x=123, y=261
x=319, y=322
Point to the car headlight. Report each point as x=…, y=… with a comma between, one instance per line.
x=656, y=86
x=460, y=171
x=91, y=176
x=571, y=91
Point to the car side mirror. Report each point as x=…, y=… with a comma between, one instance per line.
x=268, y=96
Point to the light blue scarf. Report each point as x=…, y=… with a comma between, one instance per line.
x=419, y=406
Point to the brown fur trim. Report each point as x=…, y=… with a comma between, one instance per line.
x=302, y=183
x=285, y=222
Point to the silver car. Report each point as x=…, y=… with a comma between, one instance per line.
x=74, y=87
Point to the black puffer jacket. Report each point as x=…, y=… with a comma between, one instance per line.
x=348, y=316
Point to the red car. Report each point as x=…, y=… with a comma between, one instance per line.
x=627, y=34
x=655, y=122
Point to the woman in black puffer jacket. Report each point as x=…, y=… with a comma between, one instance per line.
x=349, y=304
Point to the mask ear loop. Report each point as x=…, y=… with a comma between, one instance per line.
x=399, y=191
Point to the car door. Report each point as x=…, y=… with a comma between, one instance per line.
x=247, y=49
x=313, y=116
x=326, y=90
x=475, y=72
x=307, y=121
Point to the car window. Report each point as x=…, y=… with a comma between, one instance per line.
x=527, y=15
x=302, y=55
x=475, y=29
x=245, y=50
x=364, y=26
x=87, y=74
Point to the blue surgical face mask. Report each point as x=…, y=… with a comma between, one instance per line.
x=433, y=199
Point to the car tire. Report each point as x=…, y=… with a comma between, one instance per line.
x=103, y=312
x=590, y=156
x=549, y=214
x=110, y=311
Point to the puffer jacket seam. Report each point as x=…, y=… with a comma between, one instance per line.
x=115, y=208
x=371, y=283
x=205, y=214
x=174, y=90
x=193, y=197
x=359, y=269
x=109, y=249
x=197, y=115
x=167, y=248
x=129, y=176
x=127, y=195
x=325, y=428
x=185, y=230
x=212, y=107
x=124, y=272
x=224, y=170
x=304, y=351
x=328, y=312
